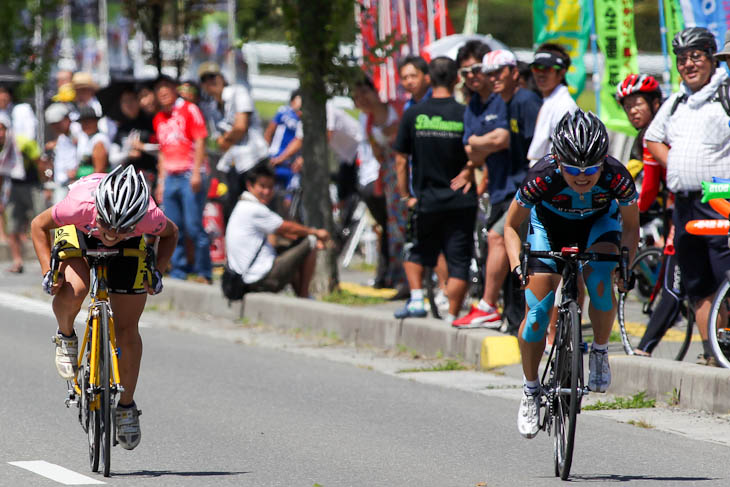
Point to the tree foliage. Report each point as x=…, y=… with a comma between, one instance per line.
x=18, y=49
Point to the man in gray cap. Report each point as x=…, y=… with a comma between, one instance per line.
x=63, y=148
x=234, y=125
x=691, y=138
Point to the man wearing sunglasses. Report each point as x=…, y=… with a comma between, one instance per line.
x=690, y=137
x=549, y=67
x=486, y=142
x=575, y=196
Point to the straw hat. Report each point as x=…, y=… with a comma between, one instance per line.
x=722, y=55
x=84, y=80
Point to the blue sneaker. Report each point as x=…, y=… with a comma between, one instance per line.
x=412, y=309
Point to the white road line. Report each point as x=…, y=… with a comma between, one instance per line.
x=43, y=308
x=56, y=473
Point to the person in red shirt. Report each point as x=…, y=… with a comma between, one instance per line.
x=182, y=180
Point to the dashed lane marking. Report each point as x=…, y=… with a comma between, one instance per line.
x=56, y=473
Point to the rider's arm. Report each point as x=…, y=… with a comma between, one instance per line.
x=516, y=215
x=659, y=150
x=166, y=246
x=40, y=229
x=630, y=228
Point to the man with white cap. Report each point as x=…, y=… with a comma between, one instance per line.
x=500, y=68
x=65, y=159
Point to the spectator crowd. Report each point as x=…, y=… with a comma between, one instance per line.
x=434, y=200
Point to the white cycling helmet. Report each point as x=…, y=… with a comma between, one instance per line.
x=122, y=198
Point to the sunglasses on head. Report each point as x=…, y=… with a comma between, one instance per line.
x=576, y=171
x=473, y=69
x=540, y=67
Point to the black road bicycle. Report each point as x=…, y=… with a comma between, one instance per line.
x=562, y=381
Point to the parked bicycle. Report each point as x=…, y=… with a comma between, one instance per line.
x=562, y=381
x=97, y=382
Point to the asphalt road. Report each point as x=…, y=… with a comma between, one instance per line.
x=226, y=411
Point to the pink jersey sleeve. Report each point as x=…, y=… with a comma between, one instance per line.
x=153, y=222
x=78, y=207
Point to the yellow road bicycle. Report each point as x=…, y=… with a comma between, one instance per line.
x=97, y=381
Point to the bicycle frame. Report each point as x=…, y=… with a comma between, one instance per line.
x=99, y=298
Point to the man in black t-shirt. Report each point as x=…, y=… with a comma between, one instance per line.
x=430, y=133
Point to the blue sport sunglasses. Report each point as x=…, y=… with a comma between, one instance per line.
x=576, y=171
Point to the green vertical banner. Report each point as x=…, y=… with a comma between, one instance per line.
x=567, y=23
x=616, y=40
x=674, y=23
x=471, y=18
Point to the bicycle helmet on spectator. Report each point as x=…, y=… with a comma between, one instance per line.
x=122, y=198
x=580, y=139
x=694, y=38
x=638, y=83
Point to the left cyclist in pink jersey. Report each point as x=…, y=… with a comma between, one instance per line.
x=110, y=210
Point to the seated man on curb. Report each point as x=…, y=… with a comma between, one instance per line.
x=250, y=253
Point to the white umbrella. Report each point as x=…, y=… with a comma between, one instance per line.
x=449, y=45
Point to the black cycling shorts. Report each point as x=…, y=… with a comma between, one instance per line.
x=450, y=232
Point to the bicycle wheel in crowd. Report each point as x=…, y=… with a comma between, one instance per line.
x=105, y=407
x=718, y=328
x=569, y=375
x=87, y=416
x=635, y=309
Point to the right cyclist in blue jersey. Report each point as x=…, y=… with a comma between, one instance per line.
x=575, y=196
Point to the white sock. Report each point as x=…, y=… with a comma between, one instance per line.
x=531, y=386
x=416, y=294
x=600, y=348
x=484, y=306
x=449, y=318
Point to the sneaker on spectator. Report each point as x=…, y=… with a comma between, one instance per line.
x=528, y=417
x=442, y=302
x=67, y=352
x=414, y=308
x=599, y=377
x=703, y=359
x=127, y=426
x=478, y=318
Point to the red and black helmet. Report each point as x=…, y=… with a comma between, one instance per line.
x=638, y=83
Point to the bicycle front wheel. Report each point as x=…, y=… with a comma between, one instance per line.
x=670, y=317
x=105, y=363
x=87, y=416
x=570, y=390
x=718, y=329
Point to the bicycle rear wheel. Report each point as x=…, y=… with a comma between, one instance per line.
x=105, y=363
x=568, y=396
x=718, y=329
x=673, y=341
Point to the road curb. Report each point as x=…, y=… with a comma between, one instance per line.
x=698, y=387
x=693, y=386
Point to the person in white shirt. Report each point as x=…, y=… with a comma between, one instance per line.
x=249, y=251
x=549, y=67
x=65, y=160
x=234, y=125
x=21, y=115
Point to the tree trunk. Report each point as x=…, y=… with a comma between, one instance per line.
x=316, y=204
